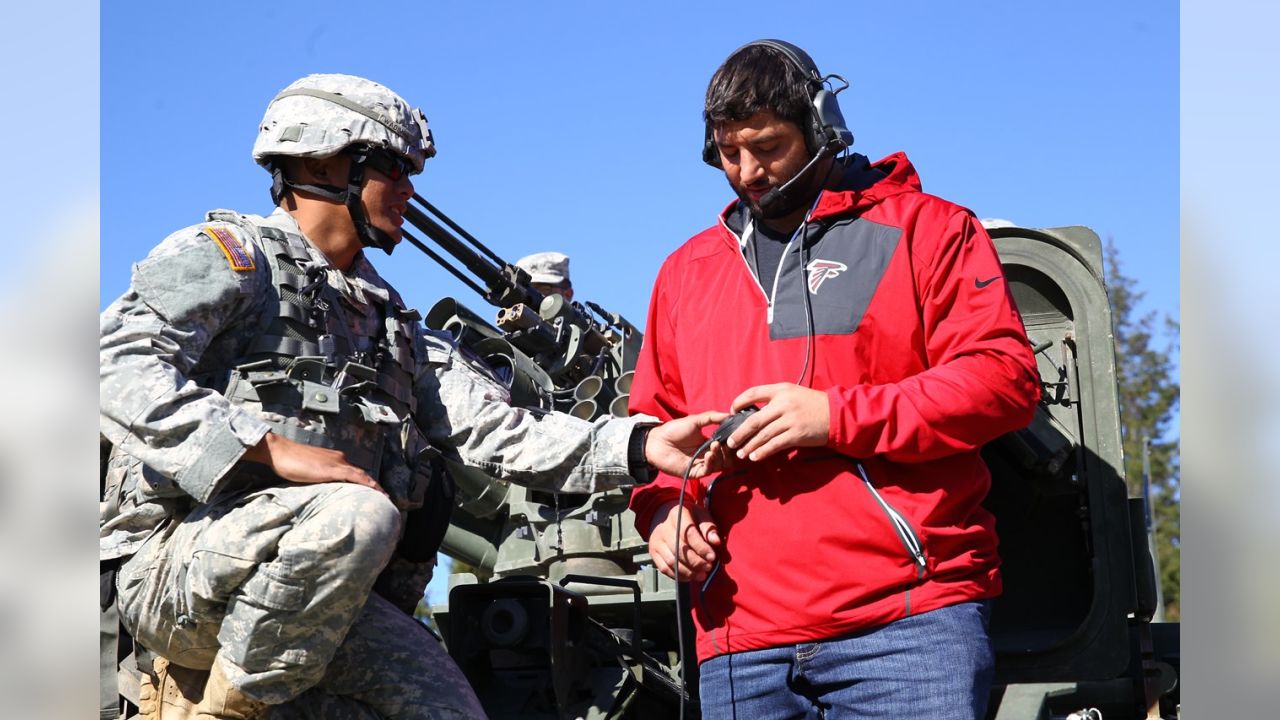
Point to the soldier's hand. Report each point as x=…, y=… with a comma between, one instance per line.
x=698, y=542
x=302, y=463
x=671, y=445
x=789, y=416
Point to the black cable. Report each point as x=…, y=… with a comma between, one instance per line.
x=808, y=352
x=684, y=484
x=808, y=307
x=715, y=569
x=809, y=348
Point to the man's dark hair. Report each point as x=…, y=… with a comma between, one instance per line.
x=758, y=78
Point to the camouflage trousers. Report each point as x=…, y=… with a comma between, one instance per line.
x=274, y=586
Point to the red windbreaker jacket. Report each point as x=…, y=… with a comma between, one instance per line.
x=923, y=357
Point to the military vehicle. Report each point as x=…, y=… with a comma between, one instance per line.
x=572, y=620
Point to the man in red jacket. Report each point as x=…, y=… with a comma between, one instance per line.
x=843, y=567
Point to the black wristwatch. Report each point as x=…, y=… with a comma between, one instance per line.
x=637, y=464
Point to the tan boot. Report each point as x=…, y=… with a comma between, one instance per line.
x=173, y=694
x=224, y=701
x=148, y=698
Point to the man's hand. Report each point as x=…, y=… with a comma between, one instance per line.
x=697, y=545
x=671, y=445
x=790, y=416
x=302, y=463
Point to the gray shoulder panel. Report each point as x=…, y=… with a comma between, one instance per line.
x=843, y=271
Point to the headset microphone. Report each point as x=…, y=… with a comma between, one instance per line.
x=777, y=198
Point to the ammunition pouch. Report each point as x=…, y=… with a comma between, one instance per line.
x=425, y=526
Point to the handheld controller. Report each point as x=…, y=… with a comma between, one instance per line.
x=733, y=422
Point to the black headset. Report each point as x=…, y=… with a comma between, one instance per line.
x=826, y=124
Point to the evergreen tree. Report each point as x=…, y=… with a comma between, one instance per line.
x=1149, y=393
x=462, y=566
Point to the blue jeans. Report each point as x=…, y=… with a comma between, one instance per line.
x=937, y=665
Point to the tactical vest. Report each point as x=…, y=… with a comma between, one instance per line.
x=316, y=379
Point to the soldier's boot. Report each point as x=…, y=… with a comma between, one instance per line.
x=224, y=701
x=171, y=692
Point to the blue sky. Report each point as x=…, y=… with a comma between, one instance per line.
x=576, y=125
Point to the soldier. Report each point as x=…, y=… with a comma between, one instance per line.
x=842, y=568
x=274, y=410
x=548, y=273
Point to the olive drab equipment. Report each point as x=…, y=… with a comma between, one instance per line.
x=1078, y=624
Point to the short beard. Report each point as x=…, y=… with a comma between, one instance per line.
x=784, y=206
x=795, y=198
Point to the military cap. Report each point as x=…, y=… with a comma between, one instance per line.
x=551, y=268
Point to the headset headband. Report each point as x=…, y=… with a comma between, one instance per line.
x=798, y=57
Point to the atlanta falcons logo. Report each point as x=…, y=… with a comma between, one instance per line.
x=822, y=270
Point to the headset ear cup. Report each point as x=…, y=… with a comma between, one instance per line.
x=710, y=153
x=830, y=126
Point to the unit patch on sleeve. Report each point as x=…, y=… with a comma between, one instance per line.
x=239, y=258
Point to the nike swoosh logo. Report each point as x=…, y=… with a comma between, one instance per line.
x=983, y=283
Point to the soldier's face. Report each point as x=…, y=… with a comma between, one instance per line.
x=759, y=154
x=385, y=200
x=548, y=289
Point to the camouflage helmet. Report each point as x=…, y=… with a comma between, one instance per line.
x=321, y=115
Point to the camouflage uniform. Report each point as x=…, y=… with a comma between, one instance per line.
x=229, y=564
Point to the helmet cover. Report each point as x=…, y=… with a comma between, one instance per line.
x=320, y=115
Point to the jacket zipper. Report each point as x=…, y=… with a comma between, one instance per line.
x=777, y=277
x=777, y=274
x=907, y=534
x=742, y=255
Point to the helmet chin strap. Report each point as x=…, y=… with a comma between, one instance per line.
x=369, y=235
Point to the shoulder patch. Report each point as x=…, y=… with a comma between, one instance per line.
x=237, y=256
